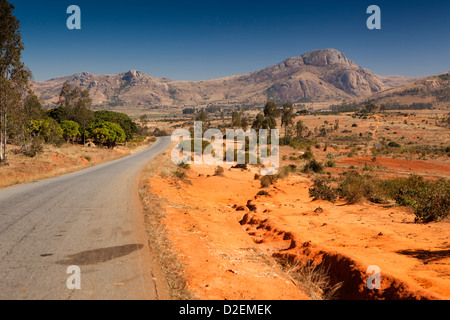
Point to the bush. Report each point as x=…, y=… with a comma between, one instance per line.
x=393, y=144
x=330, y=164
x=180, y=174
x=283, y=172
x=434, y=202
x=429, y=200
x=405, y=191
x=219, y=171
x=321, y=191
x=159, y=133
x=355, y=188
x=267, y=181
x=308, y=155
x=183, y=165
x=313, y=166
x=33, y=149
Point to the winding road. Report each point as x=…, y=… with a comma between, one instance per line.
x=90, y=219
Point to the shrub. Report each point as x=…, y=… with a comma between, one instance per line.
x=313, y=166
x=219, y=171
x=429, y=200
x=330, y=164
x=355, y=188
x=393, y=144
x=183, y=165
x=434, y=202
x=33, y=149
x=308, y=155
x=283, y=172
x=180, y=174
x=321, y=191
x=267, y=181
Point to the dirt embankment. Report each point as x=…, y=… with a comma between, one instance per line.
x=236, y=244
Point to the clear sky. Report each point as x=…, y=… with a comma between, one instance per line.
x=199, y=40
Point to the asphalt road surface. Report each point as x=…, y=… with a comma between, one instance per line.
x=90, y=219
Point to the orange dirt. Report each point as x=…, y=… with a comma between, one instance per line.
x=231, y=252
x=402, y=166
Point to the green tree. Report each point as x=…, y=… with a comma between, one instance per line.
x=287, y=119
x=125, y=122
x=47, y=129
x=271, y=110
x=13, y=74
x=299, y=128
x=107, y=133
x=58, y=114
x=269, y=123
x=71, y=130
x=257, y=124
x=202, y=116
x=76, y=106
x=370, y=107
x=236, y=120
x=244, y=123
x=20, y=117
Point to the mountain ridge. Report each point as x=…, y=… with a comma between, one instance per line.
x=318, y=75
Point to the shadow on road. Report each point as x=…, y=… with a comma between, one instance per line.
x=100, y=255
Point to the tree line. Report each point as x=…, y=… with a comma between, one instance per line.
x=23, y=120
x=267, y=119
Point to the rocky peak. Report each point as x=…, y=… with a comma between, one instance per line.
x=131, y=75
x=82, y=76
x=326, y=57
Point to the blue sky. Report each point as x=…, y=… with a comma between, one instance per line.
x=199, y=40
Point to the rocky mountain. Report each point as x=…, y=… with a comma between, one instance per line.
x=319, y=75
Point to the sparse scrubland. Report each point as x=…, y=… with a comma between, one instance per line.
x=353, y=189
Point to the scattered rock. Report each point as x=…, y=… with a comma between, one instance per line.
x=318, y=210
x=251, y=206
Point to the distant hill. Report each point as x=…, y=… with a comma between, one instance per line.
x=320, y=75
x=433, y=90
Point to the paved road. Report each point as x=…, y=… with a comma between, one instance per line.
x=90, y=219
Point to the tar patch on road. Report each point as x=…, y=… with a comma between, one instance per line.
x=100, y=255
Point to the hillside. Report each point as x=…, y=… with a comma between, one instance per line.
x=320, y=75
x=434, y=90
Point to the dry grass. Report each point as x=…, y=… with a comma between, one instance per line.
x=153, y=207
x=311, y=277
x=55, y=161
